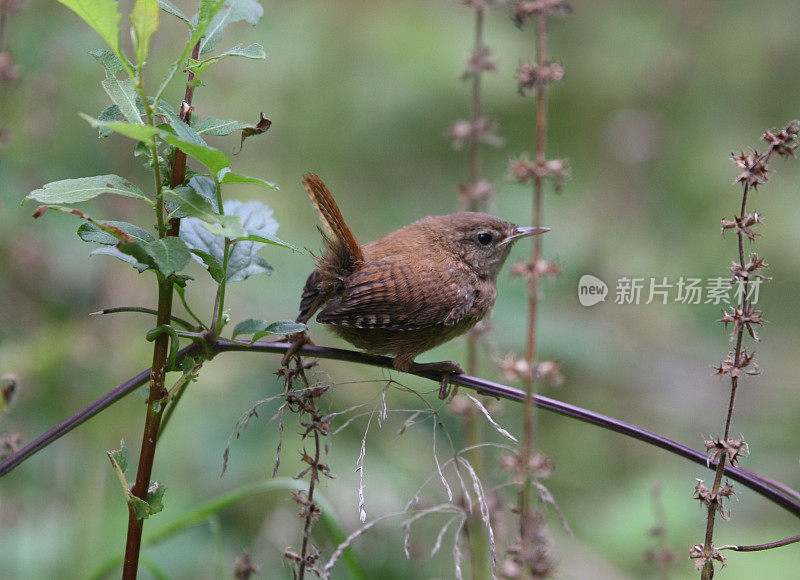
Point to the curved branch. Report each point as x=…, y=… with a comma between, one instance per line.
x=776, y=492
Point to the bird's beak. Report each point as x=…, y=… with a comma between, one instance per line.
x=521, y=232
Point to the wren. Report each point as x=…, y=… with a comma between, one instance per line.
x=411, y=290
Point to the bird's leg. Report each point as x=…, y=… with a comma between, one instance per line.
x=405, y=363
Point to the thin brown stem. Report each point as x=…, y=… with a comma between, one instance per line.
x=155, y=408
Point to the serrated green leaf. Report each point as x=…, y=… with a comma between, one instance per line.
x=237, y=10
x=243, y=259
x=141, y=509
x=169, y=255
x=102, y=15
x=218, y=127
x=144, y=21
x=228, y=176
x=170, y=8
x=255, y=326
x=85, y=188
x=110, y=61
x=116, y=253
x=123, y=94
x=155, y=497
x=253, y=51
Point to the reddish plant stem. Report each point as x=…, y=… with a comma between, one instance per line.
x=155, y=408
x=158, y=393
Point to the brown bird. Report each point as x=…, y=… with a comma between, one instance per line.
x=411, y=290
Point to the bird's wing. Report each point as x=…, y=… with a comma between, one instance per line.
x=309, y=302
x=389, y=293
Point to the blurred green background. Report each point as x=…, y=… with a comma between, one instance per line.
x=656, y=96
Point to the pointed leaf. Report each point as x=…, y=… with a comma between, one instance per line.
x=85, y=188
x=144, y=21
x=127, y=258
x=205, y=186
x=110, y=232
x=108, y=60
x=262, y=327
x=139, y=132
x=228, y=176
x=212, y=158
x=102, y=15
x=253, y=51
x=170, y=8
x=90, y=232
x=214, y=268
x=234, y=11
x=123, y=94
x=218, y=127
x=191, y=203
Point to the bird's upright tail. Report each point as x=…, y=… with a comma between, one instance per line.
x=341, y=237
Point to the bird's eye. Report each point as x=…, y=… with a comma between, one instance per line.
x=485, y=238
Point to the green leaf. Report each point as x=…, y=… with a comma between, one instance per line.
x=170, y=8
x=139, y=132
x=206, y=187
x=85, y=188
x=141, y=509
x=127, y=258
x=119, y=457
x=184, y=131
x=90, y=232
x=144, y=21
x=110, y=61
x=212, y=158
x=123, y=94
x=236, y=10
x=102, y=15
x=218, y=127
x=135, y=250
x=155, y=497
x=214, y=267
x=191, y=203
x=266, y=238
x=243, y=259
x=110, y=113
x=259, y=328
x=228, y=226
x=169, y=254
x=228, y=176
x=254, y=51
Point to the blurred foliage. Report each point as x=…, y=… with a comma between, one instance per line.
x=657, y=95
